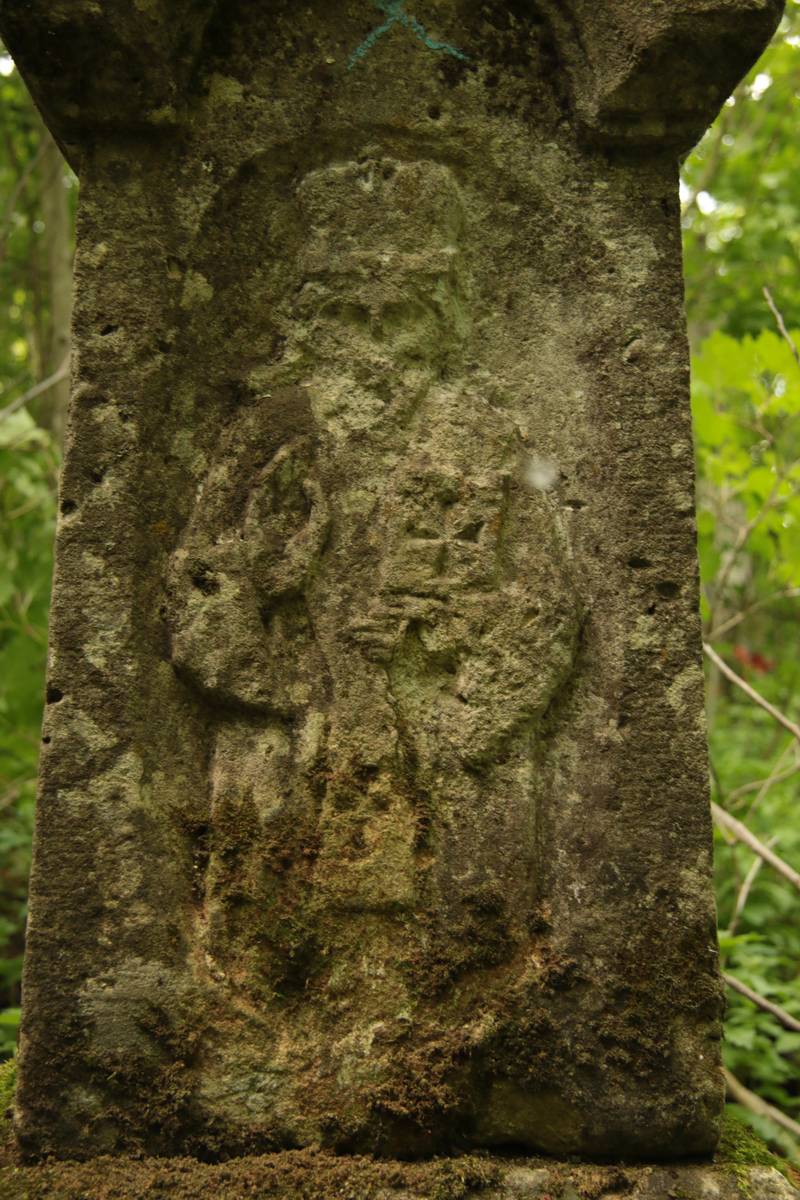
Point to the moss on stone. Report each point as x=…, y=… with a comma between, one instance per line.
x=463, y=1177
x=8, y=1083
x=309, y=1175
x=7, y=1087
x=741, y=1148
x=8, y=1079
x=291, y=1176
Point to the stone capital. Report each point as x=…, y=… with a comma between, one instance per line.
x=92, y=67
x=658, y=71
x=647, y=74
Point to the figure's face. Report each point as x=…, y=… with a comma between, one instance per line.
x=381, y=268
x=392, y=312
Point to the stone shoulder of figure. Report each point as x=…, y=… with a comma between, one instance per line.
x=519, y=641
x=237, y=582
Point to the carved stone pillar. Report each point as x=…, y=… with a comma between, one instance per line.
x=374, y=789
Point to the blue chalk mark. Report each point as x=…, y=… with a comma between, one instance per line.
x=395, y=15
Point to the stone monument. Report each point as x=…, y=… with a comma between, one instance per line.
x=373, y=811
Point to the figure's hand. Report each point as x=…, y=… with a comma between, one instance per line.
x=285, y=537
x=379, y=633
x=657, y=71
x=376, y=638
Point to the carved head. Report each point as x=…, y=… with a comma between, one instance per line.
x=382, y=270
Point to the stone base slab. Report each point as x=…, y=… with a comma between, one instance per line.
x=305, y=1175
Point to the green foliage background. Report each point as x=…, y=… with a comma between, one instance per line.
x=741, y=201
x=29, y=462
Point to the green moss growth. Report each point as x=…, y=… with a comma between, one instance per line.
x=8, y=1083
x=294, y=1175
x=740, y=1148
x=463, y=1177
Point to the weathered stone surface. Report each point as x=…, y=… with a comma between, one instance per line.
x=313, y=1176
x=373, y=811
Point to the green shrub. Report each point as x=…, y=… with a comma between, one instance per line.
x=28, y=467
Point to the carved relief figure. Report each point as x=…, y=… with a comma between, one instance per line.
x=374, y=603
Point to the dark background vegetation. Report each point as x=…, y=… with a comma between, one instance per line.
x=741, y=214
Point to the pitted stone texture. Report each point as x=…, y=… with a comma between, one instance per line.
x=373, y=816
x=302, y=1176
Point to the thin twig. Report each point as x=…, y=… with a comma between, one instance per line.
x=774, y=777
x=745, y=889
x=9, y=387
x=743, y=834
x=27, y=507
x=732, y=622
x=780, y=1014
x=756, y=785
x=715, y=777
x=37, y=390
x=746, y=530
x=755, y=696
x=779, y=321
x=749, y=1100
x=740, y=542
x=11, y=204
x=777, y=775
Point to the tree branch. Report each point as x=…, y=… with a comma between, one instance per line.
x=755, y=696
x=744, y=891
x=37, y=390
x=749, y=1100
x=732, y=622
x=778, y=774
x=11, y=204
x=779, y=321
x=744, y=533
x=743, y=834
x=780, y=1014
